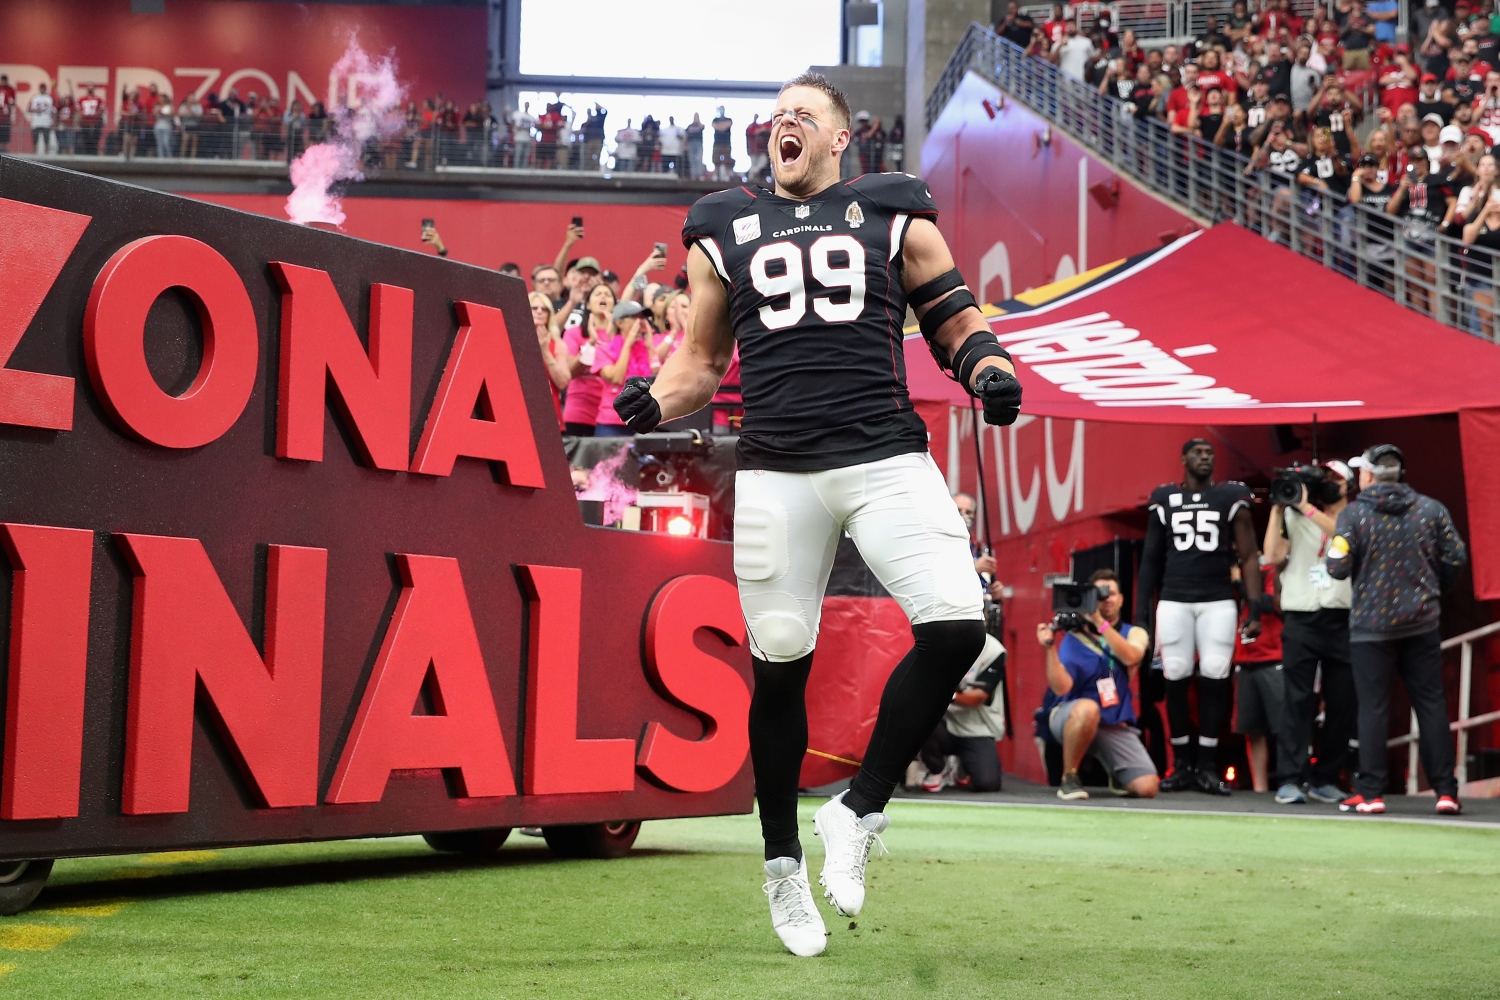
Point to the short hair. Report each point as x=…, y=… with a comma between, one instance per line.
x=817, y=81
x=1101, y=575
x=1387, y=469
x=542, y=267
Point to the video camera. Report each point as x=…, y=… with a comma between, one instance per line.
x=1287, y=484
x=1072, y=603
x=666, y=459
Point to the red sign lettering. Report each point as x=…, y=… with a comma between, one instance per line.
x=431, y=642
x=319, y=345
x=699, y=682
x=49, y=631
x=114, y=329
x=187, y=636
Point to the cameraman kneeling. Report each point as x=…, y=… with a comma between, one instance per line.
x=1090, y=667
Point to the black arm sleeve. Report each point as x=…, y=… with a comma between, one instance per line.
x=1153, y=556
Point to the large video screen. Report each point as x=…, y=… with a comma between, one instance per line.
x=770, y=40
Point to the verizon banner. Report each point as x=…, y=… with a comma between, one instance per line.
x=279, y=50
x=289, y=550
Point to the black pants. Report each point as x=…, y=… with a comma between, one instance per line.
x=1419, y=662
x=978, y=754
x=1310, y=639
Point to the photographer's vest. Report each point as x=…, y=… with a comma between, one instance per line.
x=1305, y=583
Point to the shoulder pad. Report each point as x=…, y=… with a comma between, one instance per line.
x=1159, y=494
x=711, y=214
x=896, y=193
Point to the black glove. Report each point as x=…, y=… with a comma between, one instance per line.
x=1000, y=393
x=637, y=407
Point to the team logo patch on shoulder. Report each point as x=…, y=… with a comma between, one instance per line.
x=802, y=211
x=746, y=229
x=854, y=215
x=1175, y=500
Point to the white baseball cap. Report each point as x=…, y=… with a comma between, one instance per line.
x=1341, y=469
x=1451, y=133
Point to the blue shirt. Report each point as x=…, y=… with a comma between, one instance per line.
x=1385, y=31
x=1087, y=663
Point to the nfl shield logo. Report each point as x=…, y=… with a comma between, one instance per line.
x=854, y=216
x=802, y=211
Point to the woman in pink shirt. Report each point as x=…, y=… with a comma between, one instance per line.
x=625, y=355
x=581, y=407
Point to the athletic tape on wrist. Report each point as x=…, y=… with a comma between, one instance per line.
x=977, y=347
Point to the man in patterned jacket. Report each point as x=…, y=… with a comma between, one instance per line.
x=1399, y=548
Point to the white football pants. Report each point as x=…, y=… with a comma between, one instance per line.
x=1208, y=628
x=899, y=513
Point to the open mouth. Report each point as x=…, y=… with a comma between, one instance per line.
x=789, y=149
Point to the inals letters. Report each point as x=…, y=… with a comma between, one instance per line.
x=336, y=586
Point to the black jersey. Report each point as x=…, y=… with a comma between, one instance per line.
x=1199, y=531
x=817, y=307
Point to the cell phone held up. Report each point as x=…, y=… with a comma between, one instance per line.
x=427, y=227
x=661, y=249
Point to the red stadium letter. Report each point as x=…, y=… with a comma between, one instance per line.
x=35, y=243
x=481, y=373
x=49, y=634
x=318, y=343
x=557, y=761
x=186, y=634
x=431, y=643
x=114, y=327
x=699, y=682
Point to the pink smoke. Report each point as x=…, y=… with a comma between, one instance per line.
x=604, y=484
x=380, y=97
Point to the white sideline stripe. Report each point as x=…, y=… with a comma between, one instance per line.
x=1153, y=810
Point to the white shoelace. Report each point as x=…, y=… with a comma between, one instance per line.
x=866, y=838
x=784, y=892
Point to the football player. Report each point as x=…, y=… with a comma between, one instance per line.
x=812, y=281
x=1193, y=530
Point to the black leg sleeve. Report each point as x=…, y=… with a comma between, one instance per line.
x=1215, y=700
x=778, y=742
x=1180, y=718
x=913, y=703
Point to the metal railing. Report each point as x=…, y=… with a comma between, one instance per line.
x=1159, y=18
x=1465, y=645
x=1405, y=261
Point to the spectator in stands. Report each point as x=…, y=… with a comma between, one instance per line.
x=1487, y=108
x=1055, y=28
x=1467, y=84
x=7, y=111
x=1332, y=109
x=1017, y=26
x=1315, y=640
x=521, y=125
x=1399, y=549
x=1131, y=52
x=91, y=115
x=1427, y=203
x=593, y=138
x=758, y=145
x=40, y=109
x=1424, y=16
x=549, y=127
x=1235, y=134
x=163, y=126
x=554, y=351
x=1237, y=28
x=649, y=147
x=624, y=353
x=1432, y=129
x=694, y=153
x=1326, y=169
x=1278, y=70
x=1089, y=670
x=581, y=406
x=1430, y=101
x=1073, y=53
x=723, y=159
x=1357, y=37
x=627, y=141
x=673, y=140
x=545, y=279
x=1305, y=81
x=66, y=129
x=1481, y=237
x=1383, y=14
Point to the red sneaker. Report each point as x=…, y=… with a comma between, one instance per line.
x=1361, y=805
x=1448, y=805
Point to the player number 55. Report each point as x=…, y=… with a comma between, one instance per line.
x=1205, y=533
x=793, y=284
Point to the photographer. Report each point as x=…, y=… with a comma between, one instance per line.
x=1399, y=549
x=1090, y=666
x=1315, y=634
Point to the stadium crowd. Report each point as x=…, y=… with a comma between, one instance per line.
x=434, y=132
x=1329, y=112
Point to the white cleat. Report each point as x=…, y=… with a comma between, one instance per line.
x=847, y=840
x=794, y=915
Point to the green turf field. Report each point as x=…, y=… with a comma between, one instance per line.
x=972, y=902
